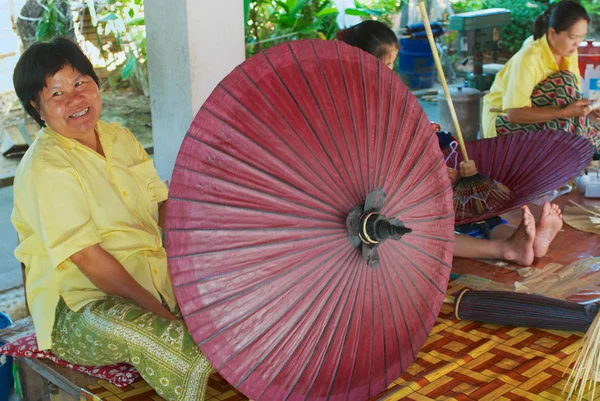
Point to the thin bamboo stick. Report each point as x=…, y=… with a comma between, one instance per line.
x=440, y=70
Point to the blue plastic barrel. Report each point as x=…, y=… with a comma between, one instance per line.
x=415, y=63
x=6, y=371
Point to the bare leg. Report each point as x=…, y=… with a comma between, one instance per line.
x=502, y=231
x=549, y=225
x=518, y=247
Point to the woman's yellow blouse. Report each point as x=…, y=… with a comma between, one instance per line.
x=67, y=198
x=514, y=84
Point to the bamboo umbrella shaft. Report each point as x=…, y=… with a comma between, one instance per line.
x=438, y=65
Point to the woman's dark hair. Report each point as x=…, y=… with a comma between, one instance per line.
x=561, y=16
x=374, y=37
x=41, y=61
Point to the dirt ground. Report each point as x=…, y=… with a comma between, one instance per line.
x=132, y=111
x=127, y=108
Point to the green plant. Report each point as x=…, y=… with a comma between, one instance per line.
x=271, y=22
x=52, y=21
x=523, y=13
x=382, y=10
x=125, y=21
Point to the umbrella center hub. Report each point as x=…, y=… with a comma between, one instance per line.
x=376, y=228
x=367, y=228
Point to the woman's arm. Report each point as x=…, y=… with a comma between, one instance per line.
x=162, y=214
x=111, y=277
x=537, y=115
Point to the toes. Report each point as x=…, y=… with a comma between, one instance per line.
x=546, y=209
x=528, y=221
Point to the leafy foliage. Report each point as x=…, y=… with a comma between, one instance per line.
x=52, y=22
x=124, y=20
x=271, y=22
x=382, y=10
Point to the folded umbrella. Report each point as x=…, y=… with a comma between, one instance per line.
x=530, y=164
x=523, y=310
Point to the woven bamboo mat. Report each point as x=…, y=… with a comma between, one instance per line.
x=460, y=361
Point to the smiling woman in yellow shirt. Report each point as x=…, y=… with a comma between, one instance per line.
x=539, y=87
x=88, y=206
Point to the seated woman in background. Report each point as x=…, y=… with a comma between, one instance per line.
x=521, y=244
x=88, y=207
x=539, y=87
x=375, y=38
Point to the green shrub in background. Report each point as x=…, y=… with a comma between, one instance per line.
x=53, y=21
x=125, y=21
x=271, y=22
x=382, y=10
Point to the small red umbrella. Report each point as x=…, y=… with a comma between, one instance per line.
x=529, y=164
x=310, y=225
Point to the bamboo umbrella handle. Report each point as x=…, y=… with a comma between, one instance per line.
x=440, y=71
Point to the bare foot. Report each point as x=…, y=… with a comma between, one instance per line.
x=519, y=246
x=549, y=225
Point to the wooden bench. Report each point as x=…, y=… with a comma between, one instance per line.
x=42, y=379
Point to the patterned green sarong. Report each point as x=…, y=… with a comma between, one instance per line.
x=113, y=330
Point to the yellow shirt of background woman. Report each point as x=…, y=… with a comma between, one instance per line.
x=514, y=84
x=68, y=197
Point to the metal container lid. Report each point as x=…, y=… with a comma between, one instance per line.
x=460, y=93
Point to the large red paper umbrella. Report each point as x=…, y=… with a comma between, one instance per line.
x=310, y=225
x=529, y=164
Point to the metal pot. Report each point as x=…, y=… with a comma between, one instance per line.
x=467, y=103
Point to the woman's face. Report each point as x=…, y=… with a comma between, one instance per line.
x=390, y=57
x=566, y=43
x=70, y=103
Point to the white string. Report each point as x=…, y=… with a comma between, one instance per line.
x=453, y=145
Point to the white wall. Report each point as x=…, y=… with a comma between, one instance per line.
x=192, y=45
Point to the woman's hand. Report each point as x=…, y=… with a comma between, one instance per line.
x=595, y=115
x=166, y=314
x=452, y=175
x=579, y=108
x=162, y=214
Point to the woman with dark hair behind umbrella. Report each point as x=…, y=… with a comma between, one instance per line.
x=521, y=244
x=373, y=37
x=88, y=207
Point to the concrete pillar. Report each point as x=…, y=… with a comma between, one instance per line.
x=191, y=46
